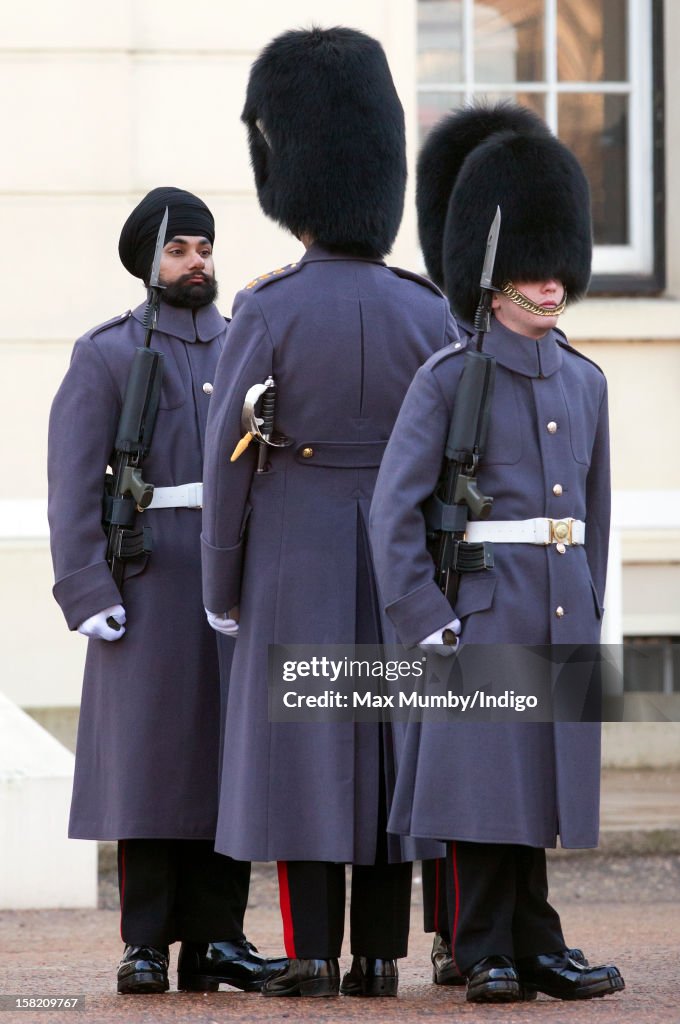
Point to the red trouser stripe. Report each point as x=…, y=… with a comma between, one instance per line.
x=286, y=913
x=456, y=889
x=121, y=844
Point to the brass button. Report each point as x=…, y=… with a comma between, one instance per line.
x=561, y=549
x=307, y=453
x=207, y=388
x=552, y=427
x=557, y=489
x=559, y=611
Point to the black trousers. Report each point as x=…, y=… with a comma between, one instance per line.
x=498, y=902
x=435, y=902
x=312, y=895
x=179, y=889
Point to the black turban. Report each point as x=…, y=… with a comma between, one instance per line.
x=187, y=215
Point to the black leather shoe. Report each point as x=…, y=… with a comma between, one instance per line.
x=560, y=976
x=143, y=969
x=203, y=966
x=370, y=976
x=444, y=970
x=305, y=978
x=493, y=980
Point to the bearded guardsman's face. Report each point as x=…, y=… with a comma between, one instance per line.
x=188, y=272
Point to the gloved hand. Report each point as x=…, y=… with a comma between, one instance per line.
x=99, y=627
x=221, y=622
x=434, y=643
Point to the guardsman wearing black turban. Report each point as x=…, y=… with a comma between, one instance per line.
x=149, y=744
x=188, y=215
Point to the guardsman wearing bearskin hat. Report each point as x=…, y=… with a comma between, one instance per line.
x=502, y=791
x=285, y=530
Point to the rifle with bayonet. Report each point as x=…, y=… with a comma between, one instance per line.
x=126, y=492
x=457, y=496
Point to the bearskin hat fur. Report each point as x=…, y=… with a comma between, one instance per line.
x=482, y=157
x=326, y=136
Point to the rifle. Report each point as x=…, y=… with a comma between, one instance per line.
x=457, y=495
x=126, y=492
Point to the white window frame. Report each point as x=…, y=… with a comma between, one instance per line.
x=638, y=256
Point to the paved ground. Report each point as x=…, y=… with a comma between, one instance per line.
x=621, y=904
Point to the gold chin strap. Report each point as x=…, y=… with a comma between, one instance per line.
x=526, y=303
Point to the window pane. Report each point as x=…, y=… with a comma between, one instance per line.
x=592, y=36
x=643, y=666
x=509, y=41
x=431, y=108
x=651, y=664
x=534, y=100
x=440, y=41
x=595, y=127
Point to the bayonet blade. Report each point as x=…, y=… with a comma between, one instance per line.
x=158, y=252
x=490, y=255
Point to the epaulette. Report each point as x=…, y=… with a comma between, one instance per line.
x=418, y=278
x=564, y=343
x=454, y=349
x=273, y=275
x=120, y=319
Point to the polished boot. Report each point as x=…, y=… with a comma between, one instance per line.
x=560, y=976
x=493, y=980
x=370, y=976
x=143, y=969
x=305, y=978
x=204, y=966
x=444, y=970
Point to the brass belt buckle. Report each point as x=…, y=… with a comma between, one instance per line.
x=561, y=531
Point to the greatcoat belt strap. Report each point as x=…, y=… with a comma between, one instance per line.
x=182, y=496
x=528, y=531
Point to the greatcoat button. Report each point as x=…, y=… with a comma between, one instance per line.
x=552, y=427
x=207, y=388
x=559, y=611
x=561, y=549
x=557, y=489
x=307, y=453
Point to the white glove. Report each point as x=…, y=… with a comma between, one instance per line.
x=435, y=643
x=221, y=622
x=98, y=626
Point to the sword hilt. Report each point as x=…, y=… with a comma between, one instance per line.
x=267, y=409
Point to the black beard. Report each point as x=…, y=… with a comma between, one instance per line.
x=190, y=296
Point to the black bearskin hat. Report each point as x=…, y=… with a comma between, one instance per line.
x=326, y=136
x=482, y=157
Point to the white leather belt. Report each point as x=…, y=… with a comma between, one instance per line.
x=528, y=531
x=182, y=496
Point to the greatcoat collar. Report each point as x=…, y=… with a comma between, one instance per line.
x=202, y=324
x=520, y=354
x=317, y=253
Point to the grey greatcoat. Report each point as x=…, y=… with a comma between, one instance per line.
x=548, y=455
x=343, y=338
x=148, y=738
